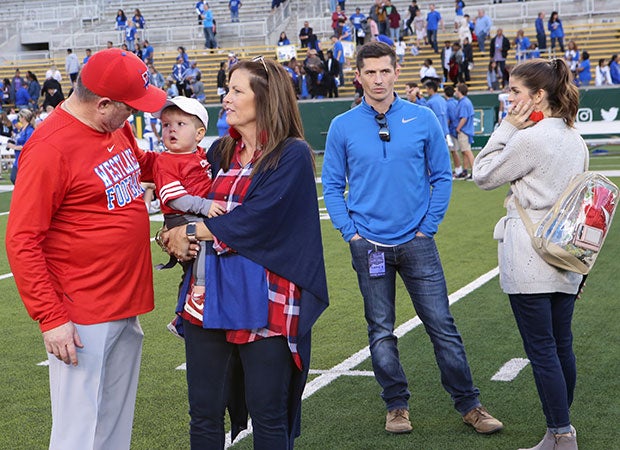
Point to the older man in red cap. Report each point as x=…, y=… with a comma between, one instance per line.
x=78, y=245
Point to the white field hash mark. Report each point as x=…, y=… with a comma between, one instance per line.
x=511, y=369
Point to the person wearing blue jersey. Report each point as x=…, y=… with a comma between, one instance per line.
x=383, y=148
x=584, y=74
x=465, y=128
x=199, y=9
x=130, y=35
x=438, y=105
x=413, y=94
x=433, y=21
x=556, y=31
x=453, y=120
x=147, y=52
x=233, y=6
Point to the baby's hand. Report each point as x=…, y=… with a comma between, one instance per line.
x=216, y=210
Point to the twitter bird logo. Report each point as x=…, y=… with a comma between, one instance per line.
x=609, y=116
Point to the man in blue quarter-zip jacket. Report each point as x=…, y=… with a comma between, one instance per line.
x=395, y=158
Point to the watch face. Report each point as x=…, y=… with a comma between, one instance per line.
x=191, y=229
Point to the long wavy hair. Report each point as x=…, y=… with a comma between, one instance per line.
x=277, y=113
x=555, y=78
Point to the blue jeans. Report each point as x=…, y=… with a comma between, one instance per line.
x=268, y=369
x=432, y=39
x=417, y=262
x=482, y=37
x=210, y=41
x=544, y=321
x=560, y=41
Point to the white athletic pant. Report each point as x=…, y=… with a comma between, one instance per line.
x=93, y=403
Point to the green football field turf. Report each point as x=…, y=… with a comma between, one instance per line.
x=348, y=412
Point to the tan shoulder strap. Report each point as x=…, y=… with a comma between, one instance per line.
x=529, y=225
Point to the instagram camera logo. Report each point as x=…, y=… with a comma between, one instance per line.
x=584, y=115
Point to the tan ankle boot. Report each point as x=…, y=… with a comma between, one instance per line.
x=557, y=441
x=566, y=441
x=547, y=443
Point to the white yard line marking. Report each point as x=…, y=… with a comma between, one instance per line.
x=511, y=369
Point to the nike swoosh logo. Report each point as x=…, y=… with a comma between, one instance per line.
x=111, y=148
x=408, y=120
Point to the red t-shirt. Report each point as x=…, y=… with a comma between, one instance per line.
x=78, y=231
x=179, y=174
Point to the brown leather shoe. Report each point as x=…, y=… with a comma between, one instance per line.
x=397, y=421
x=482, y=421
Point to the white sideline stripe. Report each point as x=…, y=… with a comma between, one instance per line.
x=44, y=363
x=4, y=213
x=345, y=366
x=348, y=373
x=511, y=369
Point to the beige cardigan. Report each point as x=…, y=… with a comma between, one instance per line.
x=539, y=163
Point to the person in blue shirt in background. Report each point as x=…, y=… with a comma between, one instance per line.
x=465, y=128
x=358, y=20
x=584, y=75
x=556, y=31
x=121, y=20
x=207, y=26
x=233, y=6
x=89, y=53
x=200, y=10
x=522, y=46
x=453, y=120
x=482, y=28
x=138, y=19
x=147, y=52
x=413, y=94
x=614, y=69
x=392, y=154
x=130, y=35
x=22, y=97
x=433, y=20
x=338, y=51
x=26, y=118
x=34, y=90
x=439, y=106
x=541, y=35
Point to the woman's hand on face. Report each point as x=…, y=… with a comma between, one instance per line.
x=519, y=114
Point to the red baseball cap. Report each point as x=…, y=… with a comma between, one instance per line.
x=123, y=77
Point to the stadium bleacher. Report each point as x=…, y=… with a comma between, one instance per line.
x=170, y=24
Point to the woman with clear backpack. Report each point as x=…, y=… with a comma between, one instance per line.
x=537, y=151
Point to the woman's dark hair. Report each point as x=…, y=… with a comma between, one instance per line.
x=375, y=50
x=122, y=14
x=554, y=15
x=277, y=113
x=555, y=78
x=32, y=76
x=585, y=55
